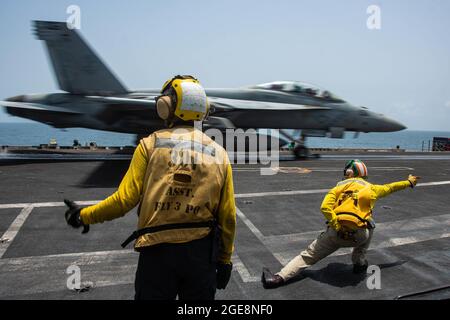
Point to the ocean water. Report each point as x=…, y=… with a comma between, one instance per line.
x=409, y=140
x=34, y=134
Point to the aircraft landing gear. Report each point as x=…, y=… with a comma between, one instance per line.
x=300, y=150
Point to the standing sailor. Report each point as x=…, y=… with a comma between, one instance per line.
x=182, y=181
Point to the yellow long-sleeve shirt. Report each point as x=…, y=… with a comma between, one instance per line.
x=129, y=193
x=377, y=192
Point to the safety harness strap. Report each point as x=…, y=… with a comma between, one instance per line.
x=187, y=225
x=368, y=223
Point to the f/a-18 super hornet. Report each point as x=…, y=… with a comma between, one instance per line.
x=94, y=98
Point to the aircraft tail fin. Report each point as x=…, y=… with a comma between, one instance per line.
x=77, y=68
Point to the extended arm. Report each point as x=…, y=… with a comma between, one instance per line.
x=386, y=189
x=125, y=198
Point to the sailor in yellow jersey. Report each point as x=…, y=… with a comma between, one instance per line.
x=348, y=209
x=182, y=181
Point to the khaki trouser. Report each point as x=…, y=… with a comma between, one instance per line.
x=327, y=243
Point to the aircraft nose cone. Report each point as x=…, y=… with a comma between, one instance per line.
x=395, y=125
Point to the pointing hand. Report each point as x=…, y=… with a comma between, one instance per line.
x=413, y=180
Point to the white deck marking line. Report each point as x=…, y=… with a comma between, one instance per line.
x=285, y=257
x=240, y=267
x=45, y=204
x=243, y=271
x=436, y=222
x=373, y=156
x=49, y=271
x=101, y=268
x=95, y=265
x=238, y=195
x=437, y=183
x=80, y=258
x=13, y=229
x=19, y=221
x=424, y=229
x=295, y=192
x=324, y=169
x=87, y=254
x=279, y=193
x=398, y=226
x=250, y=225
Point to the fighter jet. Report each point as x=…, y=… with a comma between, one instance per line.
x=95, y=98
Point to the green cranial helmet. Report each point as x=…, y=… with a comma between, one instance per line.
x=357, y=167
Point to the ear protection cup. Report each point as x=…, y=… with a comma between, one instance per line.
x=164, y=107
x=349, y=173
x=357, y=168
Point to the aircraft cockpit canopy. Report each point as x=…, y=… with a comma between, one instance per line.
x=301, y=88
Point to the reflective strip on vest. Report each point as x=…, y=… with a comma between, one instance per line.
x=185, y=145
x=361, y=182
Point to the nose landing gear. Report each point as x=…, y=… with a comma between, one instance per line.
x=301, y=152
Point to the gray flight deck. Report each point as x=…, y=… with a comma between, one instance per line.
x=278, y=216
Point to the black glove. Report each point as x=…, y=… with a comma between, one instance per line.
x=73, y=216
x=223, y=274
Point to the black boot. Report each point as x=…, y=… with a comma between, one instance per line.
x=360, y=268
x=270, y=280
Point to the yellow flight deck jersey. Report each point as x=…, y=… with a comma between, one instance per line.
x=353, y=199
x=176, y=175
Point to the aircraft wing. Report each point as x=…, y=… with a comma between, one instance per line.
x=230, y=104
x=10, y=105
x=147, y=103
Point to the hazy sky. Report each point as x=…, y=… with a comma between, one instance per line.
x=401, y=70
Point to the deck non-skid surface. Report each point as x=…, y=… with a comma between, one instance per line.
x=278, y=216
